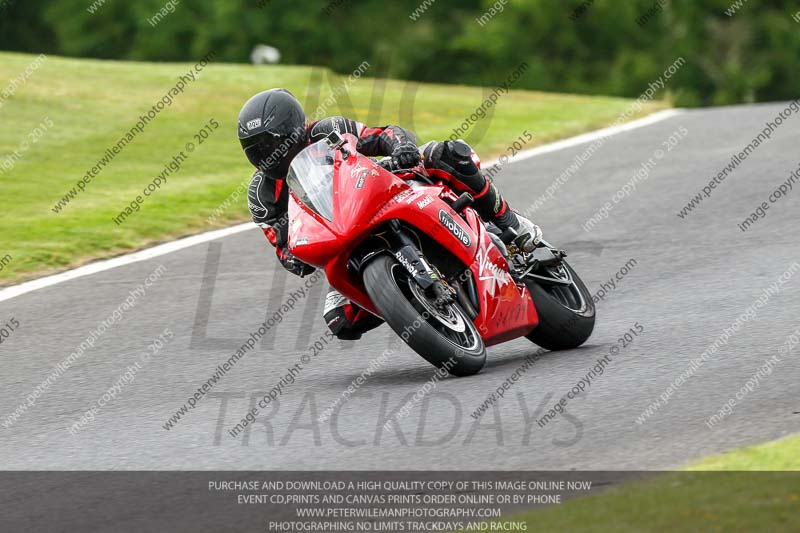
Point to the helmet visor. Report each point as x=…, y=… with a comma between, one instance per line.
x=268, y=153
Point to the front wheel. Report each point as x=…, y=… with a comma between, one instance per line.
x=565, y=307
x=445, y=337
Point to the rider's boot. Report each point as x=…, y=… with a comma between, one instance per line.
x=453, y=161
x=346, y=320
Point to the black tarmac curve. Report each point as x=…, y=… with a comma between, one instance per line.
x=692, y=278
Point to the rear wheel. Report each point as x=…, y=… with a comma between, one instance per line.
x=566, y=309
x=444, y=336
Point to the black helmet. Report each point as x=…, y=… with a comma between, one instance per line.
x=272, y=130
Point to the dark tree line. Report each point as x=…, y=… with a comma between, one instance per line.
x=614, y=47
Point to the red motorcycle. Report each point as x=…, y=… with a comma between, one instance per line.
x=415, y=254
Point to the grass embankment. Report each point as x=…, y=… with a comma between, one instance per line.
x=92, y=104
x=744, y=490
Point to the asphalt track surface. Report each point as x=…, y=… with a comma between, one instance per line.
x=693, y=277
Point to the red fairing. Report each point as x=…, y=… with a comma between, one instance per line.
x=507, y=310
x=365, y=196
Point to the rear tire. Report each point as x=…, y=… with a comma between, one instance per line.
x=561, y=327
x=390, y=287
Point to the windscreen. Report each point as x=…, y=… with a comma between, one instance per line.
x=311, y=178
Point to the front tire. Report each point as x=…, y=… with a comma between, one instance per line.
x=566, y=314
x=445, y=338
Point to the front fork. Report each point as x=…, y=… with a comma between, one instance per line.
x=427, y=276
x=399, y=243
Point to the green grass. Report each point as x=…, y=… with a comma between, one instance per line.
x=743, y=490
x=92, y=103
x=779, y=455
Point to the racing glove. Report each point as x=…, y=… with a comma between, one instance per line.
x=293, y=264
x=406, y=155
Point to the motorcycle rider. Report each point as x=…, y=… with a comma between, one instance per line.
x=272, y=131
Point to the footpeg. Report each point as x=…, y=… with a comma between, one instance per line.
x=546, y=257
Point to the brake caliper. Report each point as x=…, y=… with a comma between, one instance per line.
x=443, y=294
